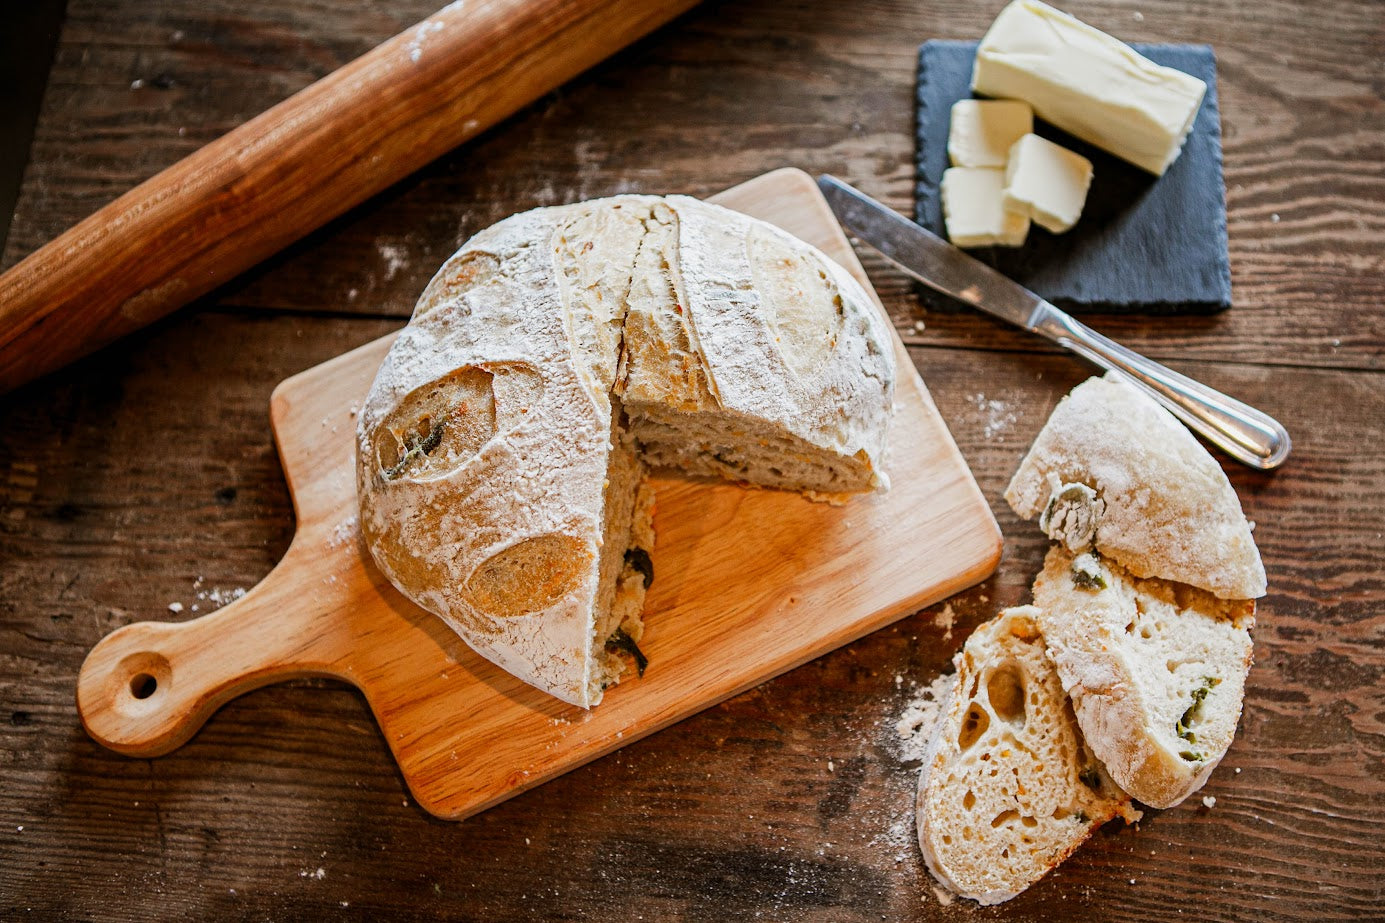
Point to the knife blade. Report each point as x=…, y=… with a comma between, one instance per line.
x=1246, y=434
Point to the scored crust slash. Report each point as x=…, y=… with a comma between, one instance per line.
x=504, y=447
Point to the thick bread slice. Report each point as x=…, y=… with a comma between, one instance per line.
x=1156, y=502
x=1008, y=788
x=499, y=471
x=1156, y=670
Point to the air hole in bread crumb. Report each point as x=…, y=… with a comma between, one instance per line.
x=1005, y=689
x=974, y=724
x=968, y=800
x=1004, y=817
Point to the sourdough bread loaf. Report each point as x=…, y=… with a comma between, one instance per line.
x=1009, y=788
x=1156, y=670
x=503, y=446
x=1113, y=468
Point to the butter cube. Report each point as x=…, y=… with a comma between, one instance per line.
x=983, y=130
x=1046, y=182
x=1088, y=84
x=974, y=212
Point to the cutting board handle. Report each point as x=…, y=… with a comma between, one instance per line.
x=146, y=688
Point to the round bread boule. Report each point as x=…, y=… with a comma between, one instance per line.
x=503, y=444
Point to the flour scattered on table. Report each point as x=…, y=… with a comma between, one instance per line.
x=999, y=416
x=916, y=724
x=396, y=258
x=317, y=875
x=945, y=619
x=219, y=596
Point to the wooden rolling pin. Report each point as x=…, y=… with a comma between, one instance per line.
x=252, y=192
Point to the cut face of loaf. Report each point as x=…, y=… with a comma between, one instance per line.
x=503, y=445
x=1156, y=670
x=1009, y=788
x=1155, y=500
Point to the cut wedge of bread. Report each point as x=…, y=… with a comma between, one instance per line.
x=1008, y=789
x=1154, y=501
x=503, y=447
x=1156, y=670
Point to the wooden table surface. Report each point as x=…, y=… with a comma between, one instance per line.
x=146, y=476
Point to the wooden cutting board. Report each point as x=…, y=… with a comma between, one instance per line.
x=749, y=584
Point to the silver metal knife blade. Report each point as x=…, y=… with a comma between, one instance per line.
x=1246, y=434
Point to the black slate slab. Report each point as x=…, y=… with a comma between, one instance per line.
x=1143, y=245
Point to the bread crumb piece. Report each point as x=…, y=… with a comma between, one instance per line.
x=1238, y=770
x=944, y=896
x=175, y=608
x=1209, y=801
x=830, y=767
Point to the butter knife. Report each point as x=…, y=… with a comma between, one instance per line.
x=1246, y=434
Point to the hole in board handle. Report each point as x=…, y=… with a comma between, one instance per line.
x=142, y=685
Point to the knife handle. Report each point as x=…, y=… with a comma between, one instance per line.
x=1244, y=433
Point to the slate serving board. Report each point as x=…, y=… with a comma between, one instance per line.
x=1143, y=244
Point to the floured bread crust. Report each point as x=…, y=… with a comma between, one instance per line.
x=1166, y=507
x=1156, y=671
x=1009, y=788
x=502, y=445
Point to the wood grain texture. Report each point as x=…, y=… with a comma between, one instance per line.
x=721, y=619
x=285, y=172
x=129, y=476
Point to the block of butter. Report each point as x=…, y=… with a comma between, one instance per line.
x=1047, y=182
x=974, y=211
x=982, y=131
x=1088, y=84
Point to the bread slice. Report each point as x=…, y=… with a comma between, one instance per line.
x=1113, y=467
x=1008, y=788
x=1156, y=670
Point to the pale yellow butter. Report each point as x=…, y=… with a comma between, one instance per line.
x=1088, y=83
x=974, y=212
x=1047, y=182
x=983, y=130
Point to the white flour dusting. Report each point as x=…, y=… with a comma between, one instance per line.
x=396, y=258
x=219, y=596
x=915, y=725
x=344, y=533
x=945, y=619
x=999, y=416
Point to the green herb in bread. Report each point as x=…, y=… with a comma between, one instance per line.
x=1156, y=671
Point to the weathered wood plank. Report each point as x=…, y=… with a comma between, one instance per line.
x=114, y=501
x=116, y=480
x=1303, y=120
